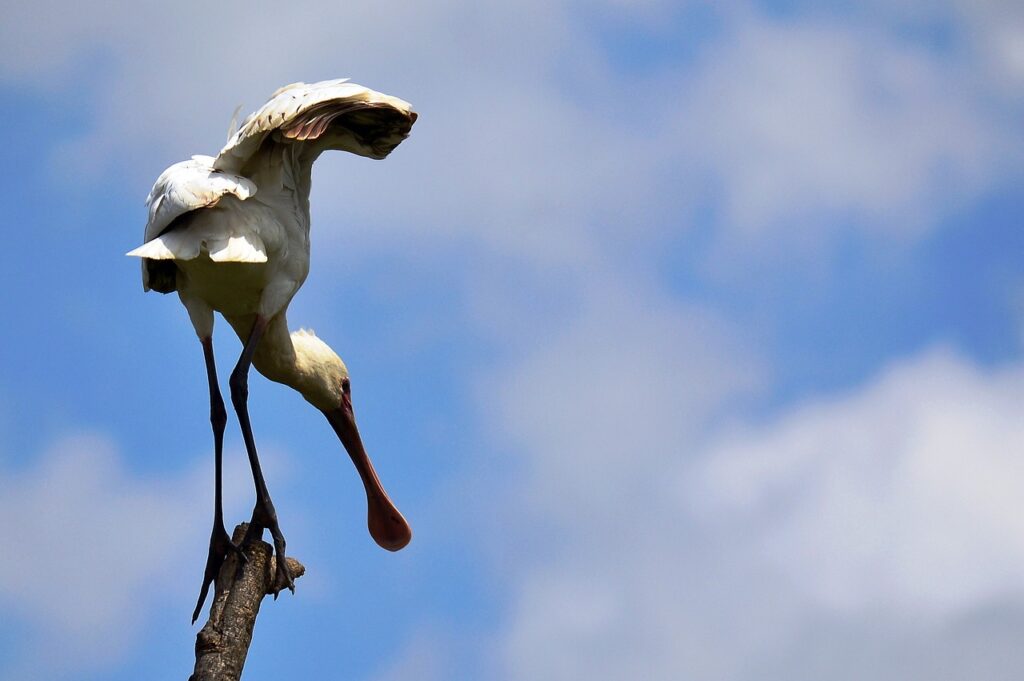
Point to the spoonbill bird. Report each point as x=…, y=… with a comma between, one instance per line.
x=231, y=234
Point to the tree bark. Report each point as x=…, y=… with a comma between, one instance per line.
x=223, y=642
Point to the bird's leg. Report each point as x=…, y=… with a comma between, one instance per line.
x=220, y=542
x=263, y=515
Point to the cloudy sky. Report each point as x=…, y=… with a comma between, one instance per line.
x=688, y=336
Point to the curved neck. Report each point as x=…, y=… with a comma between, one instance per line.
x=300, y=360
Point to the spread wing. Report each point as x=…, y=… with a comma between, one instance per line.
x=180, y=190
x=187, y=186
x=333, y=114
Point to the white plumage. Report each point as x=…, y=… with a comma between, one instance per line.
x=231, y=234
x=185, y=187
x=300, y=112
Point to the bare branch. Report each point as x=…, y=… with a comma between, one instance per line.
x=223, y=642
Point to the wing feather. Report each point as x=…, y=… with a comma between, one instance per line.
x=181, y=189
x=187, y=186
x=377, y=123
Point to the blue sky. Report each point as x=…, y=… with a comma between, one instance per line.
x=686, y=335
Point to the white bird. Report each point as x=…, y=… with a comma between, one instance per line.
x=231, y=234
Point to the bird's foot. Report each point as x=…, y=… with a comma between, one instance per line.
x=265, y=517
x=220, y=546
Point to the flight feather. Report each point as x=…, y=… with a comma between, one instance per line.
x=373, y=123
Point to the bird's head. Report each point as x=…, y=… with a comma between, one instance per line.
x=321, y=373
x=325, y=384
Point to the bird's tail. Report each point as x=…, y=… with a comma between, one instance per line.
x=159, y=275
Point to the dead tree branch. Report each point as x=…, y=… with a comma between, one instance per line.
x=223, y=642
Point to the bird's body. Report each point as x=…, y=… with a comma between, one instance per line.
x=231, y=234
x=250, y=204
x=240, y=287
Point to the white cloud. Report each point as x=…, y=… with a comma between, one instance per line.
x=906, y=495
x=992, y=31
x=594, y=552
x=95, y=547
x=628, y=385
x=852, y=523
x=997, y=30
x=809, y=127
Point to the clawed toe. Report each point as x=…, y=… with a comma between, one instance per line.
x=283, y=577
x=220, y=546
x=265, y=517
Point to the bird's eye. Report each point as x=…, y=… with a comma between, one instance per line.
x=346, y=386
